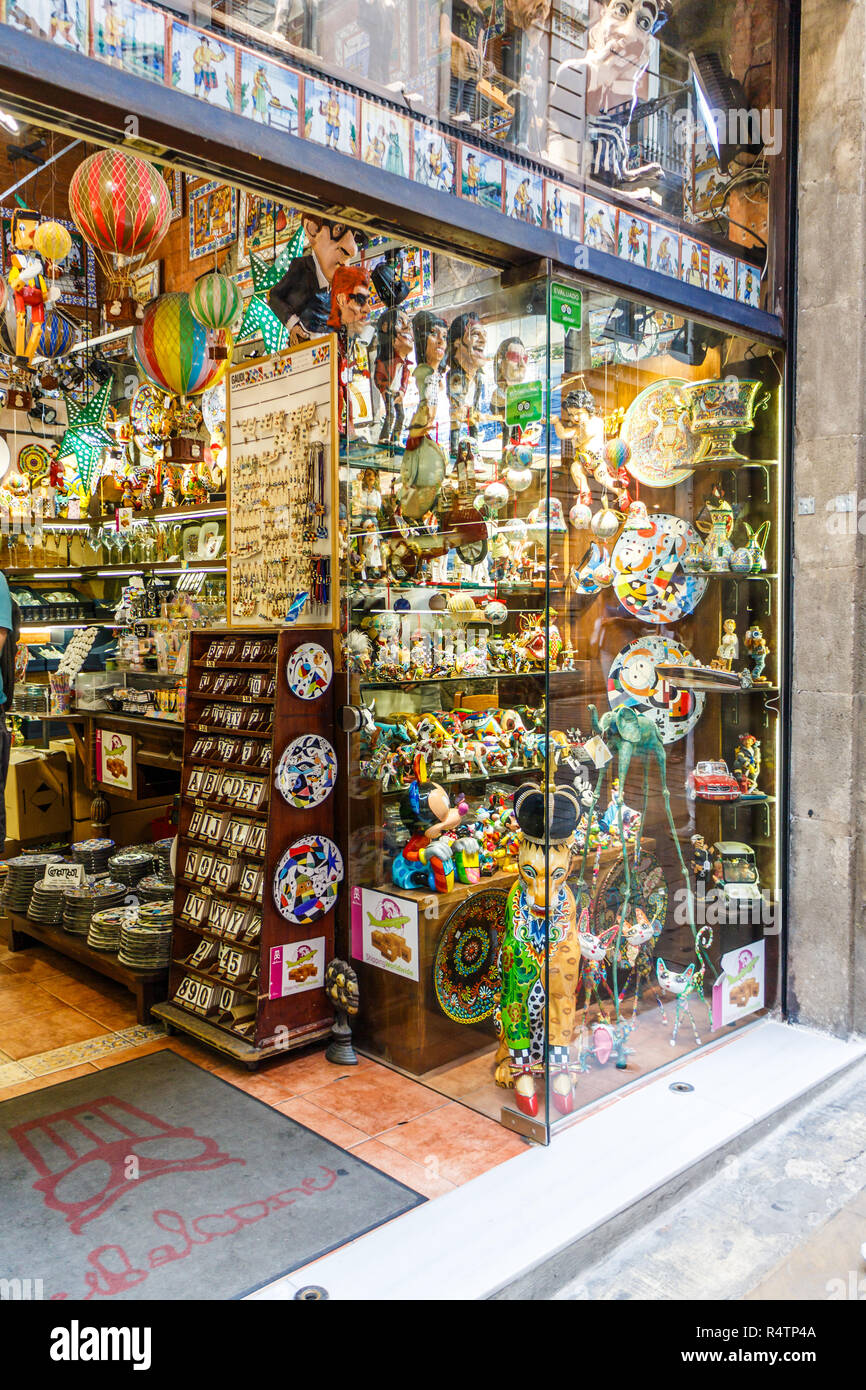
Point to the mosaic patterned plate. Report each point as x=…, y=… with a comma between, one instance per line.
x=466, y=964
x=656, y=429
x=633, y=680
x=306, y=772
x=307, y=879
x=648, y=577
x=34, y=461
x=309, y=671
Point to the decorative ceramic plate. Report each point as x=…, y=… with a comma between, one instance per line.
x=309, y=671
x=465, y=967
x=34, y=461
x=649, y=891
x=648, y=577
x=633, y=680
x=656, y=429
x=307, y=879
x=306, y=772
x=147, y=414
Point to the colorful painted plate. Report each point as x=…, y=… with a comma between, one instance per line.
x=309, y=671
x=466, y=964
x=649, y=891
x=633, y=680
x=34, y=461
x=307, y=879
x=656, y=429
x=648, y=577
x=306, y=772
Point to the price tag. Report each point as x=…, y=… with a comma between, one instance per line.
x=64, y=875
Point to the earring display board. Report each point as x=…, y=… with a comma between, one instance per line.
x=258, y=869
x=282, y=487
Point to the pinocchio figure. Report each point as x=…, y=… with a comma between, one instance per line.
x=28, y=284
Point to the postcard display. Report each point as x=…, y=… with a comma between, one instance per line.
x=282, y=487
x=257, y=868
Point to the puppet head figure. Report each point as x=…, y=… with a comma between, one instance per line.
x=350, y=297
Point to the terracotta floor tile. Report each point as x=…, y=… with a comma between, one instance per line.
x=312, y=1070
x=376, y=1099
x=454, y=1143
x=303, y=1110
x=49, y=1029
x=270, y=1084
x=38, y=1083
x=113, y=1059
x=112, y=1006
x=21, y=997
x=403, y=1169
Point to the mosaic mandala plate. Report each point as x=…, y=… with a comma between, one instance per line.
x=656, y=429
x=648, y=577
x=466, y=964
x=307, y=879
x=306, y=771
x=309, y=671
x=633, y=680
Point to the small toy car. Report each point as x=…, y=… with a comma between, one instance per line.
x=711, y=781
x=735, y=876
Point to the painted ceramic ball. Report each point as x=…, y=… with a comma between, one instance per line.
x=518, y=479
x=616, y=454
x=605, y=524
x=495, y=612
x=519, y=455
x=496, y=495
x=580, y=516
x=603, y=572
x=740, y=561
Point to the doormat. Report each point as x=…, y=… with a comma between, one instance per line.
x=154, y=1179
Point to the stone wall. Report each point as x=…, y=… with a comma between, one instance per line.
x=828, y=801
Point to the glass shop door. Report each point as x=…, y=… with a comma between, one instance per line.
x=450, y=568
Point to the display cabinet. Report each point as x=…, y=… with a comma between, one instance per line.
x=562, y=645
x=257, y=866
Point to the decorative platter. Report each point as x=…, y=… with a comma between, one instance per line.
x=656, y=429
x=634, y=680
x=306, y=772
x=309, y=671
x=307, y=880
x=647, y=567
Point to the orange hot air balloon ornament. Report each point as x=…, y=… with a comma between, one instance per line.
x=121, y=206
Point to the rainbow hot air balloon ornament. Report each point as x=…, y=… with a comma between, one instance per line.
x=216, y=302
x=174, y=350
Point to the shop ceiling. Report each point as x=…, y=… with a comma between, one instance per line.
x=114, y=108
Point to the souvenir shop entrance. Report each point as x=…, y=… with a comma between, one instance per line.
x=498, y=607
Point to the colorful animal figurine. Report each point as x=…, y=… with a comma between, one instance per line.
x=540, y=953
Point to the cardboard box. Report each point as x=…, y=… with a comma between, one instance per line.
x=37, y=794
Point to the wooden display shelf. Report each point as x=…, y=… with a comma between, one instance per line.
x=148, y=986
x=222, y=1039
x=299, y=1016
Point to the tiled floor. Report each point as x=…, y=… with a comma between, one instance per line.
x=59, y=1020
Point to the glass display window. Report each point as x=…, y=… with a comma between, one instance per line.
x=562, y=590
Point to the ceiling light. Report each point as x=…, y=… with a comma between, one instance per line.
x=9, y=122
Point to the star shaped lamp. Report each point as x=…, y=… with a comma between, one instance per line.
x=259, y=318
x=86, y=437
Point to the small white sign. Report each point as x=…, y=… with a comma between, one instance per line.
x=63, y=876
x=296, y=967
x=739, y=990
x=385, y=931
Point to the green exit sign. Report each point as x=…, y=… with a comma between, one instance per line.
x=566, y=305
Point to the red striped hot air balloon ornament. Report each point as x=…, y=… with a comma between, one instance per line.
x=121, y=206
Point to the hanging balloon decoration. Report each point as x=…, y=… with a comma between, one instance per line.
x=53, y=242
x=216, y=302
x=173, y=349
x=121, y=206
